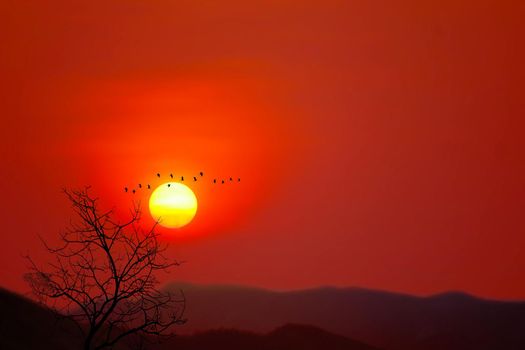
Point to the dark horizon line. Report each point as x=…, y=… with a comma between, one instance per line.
x=229, y=286
x=436, y=295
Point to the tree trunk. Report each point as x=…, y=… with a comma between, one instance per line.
x=87, y=342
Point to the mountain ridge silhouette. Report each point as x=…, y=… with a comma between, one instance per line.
x=383, y=319
x=27, y=325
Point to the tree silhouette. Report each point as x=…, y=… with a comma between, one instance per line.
x=103, y=276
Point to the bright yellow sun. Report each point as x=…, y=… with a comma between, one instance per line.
x=173, y=205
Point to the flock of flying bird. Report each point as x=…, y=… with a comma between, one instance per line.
x=148, y=186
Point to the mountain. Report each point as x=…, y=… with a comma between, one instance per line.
x=25, y=325
x=288, y=337
x=387, y=320
x=249, y=318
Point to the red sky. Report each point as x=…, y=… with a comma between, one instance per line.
x=380, y=143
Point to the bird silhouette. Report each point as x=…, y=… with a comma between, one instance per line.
x=194, y=178
x=158, y=174
x=125, y=189
x=133, y=191
x=149, y=187
x=239, y=180
x=214, y=181
x=201, y=173
x=140, y=185
x=231, y=179
x=169, y=185
x=171, y=175
x=182, y=178
x=222, y=182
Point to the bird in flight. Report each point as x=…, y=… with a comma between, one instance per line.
x=231, y=179
x=149, y=187
x=169, y=185
x=182, y=178
x=171, y=175
x=214, y=181
x=133, y=191
x=223, y=181
x=239, y=180
x=158, y=174
x=194, y=178
x=125, y=189
x=140, y=185
x=201, y=173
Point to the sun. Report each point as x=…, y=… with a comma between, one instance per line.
x=173, y=205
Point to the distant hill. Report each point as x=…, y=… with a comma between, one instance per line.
x=25, y=325
x=288, y=337
x=249, y=318
x=387, y=320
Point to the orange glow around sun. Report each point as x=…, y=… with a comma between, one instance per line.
x=140, y=128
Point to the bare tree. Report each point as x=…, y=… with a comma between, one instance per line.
x=103, y=276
